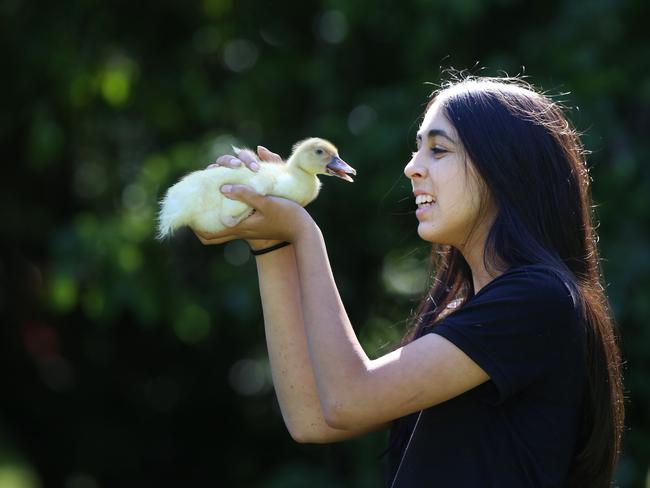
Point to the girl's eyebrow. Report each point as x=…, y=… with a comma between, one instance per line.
x=433, y=133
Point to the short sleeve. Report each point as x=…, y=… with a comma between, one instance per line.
x=513, y=327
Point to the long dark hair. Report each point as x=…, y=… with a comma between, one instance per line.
x=531, y=161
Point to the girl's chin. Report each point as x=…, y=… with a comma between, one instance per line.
x=426, y=233
x=429, y=233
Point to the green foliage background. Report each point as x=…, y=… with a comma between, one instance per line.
x=127, y=362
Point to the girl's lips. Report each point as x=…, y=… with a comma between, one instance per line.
x=421, y=211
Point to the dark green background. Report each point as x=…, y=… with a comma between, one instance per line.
x=130, y=362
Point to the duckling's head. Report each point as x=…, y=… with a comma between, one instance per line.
x=318, y=156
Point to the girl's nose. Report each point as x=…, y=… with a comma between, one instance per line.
x=414, y=170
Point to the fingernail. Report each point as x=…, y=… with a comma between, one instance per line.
x=255, y=166
x=226, y=188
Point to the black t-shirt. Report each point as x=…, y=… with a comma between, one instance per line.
x=520, y=428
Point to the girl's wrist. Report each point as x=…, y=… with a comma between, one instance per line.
x=257, y=244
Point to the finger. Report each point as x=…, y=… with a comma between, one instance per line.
x=249, y=159
x=228, y=161
x=220, y=240
x=225, y=161
x=217, y=238
x=210, y=236
x=202, y=236
x=245, y=194
x=267, y=155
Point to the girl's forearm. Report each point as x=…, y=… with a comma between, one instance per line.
x=338, y=360
x=291, y=368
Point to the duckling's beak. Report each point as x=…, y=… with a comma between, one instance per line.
x=338, y=167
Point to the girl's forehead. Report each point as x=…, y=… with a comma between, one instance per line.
x=435, y=118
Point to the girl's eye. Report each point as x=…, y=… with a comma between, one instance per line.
x=435, y=150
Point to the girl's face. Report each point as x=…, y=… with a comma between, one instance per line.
x=447, y=195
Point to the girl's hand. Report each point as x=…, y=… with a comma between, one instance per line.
x=274, y=220
x=246, y=157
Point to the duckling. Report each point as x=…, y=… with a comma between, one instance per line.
x=196, y=200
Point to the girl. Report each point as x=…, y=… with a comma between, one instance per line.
x=511, y=375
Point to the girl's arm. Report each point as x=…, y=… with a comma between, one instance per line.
x=354, y=393
x=293, y=376
x=291, y=367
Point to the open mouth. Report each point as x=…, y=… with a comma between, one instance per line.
x=338, y=167
x=424, y=201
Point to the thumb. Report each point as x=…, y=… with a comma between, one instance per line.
x=243, y=193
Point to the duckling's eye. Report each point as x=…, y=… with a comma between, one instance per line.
x=319, y=151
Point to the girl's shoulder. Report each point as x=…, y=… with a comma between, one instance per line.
x=538, y=280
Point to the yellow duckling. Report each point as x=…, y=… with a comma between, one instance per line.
x=196, y=200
